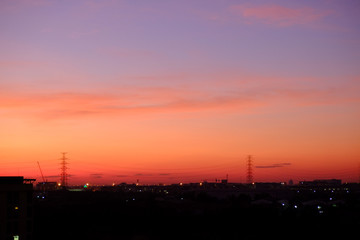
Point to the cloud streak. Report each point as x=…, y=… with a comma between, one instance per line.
x=275, y=165
x=151, y=174
x=130, y=101
x=228, y=96
x=96, y=175
x=278, y=15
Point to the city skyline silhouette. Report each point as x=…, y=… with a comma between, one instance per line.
x=180, y=91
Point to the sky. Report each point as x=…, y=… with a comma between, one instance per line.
x=168, y=91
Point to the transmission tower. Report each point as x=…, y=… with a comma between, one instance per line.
x=63, y=174
x=249, y=171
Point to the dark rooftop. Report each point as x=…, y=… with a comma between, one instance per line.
x=15, y=180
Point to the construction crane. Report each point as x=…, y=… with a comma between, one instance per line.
x=43, y=185
x=42, y=175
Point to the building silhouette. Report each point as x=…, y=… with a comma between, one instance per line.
x=16, y=208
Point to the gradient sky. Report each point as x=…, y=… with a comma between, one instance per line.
x=180, y=91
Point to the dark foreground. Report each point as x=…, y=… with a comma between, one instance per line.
x=198, y=214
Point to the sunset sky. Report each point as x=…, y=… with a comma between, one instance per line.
x=169, y=91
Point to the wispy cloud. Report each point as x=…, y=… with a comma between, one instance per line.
x=139, y=100
x=278, y=15
x=96, y=175
x=233, y=96
x=143, y=174
x=164, y=174
x=151, y=174
x=58, y=176
x=275, y=165
x=52, y=176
